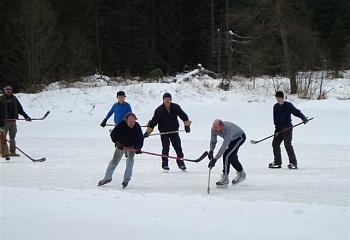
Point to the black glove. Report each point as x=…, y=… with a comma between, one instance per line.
x=212, y=163
x=28, y=119
x=119, y=145
x=187, y=129
x=146, y=134
x=138, y=151
x=103, y=123
x=211, y=155
x=305, y=120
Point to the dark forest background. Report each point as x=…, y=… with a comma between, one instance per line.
x=42, y=41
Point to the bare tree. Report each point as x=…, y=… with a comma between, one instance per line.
x=35, y=42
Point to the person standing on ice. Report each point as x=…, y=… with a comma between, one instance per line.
x=127, y=133
x=282, y=111
x=4, y=148
x=166, y=117
x=233, y=137
x=12, y=108
x=119, y=109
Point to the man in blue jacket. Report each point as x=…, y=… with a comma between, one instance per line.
x=282, y=111
x=127, y=133
x=119, y=109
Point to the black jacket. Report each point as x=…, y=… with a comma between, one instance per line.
x=282, y=115
x=128, y=136
x=2, y=114
x=12, y=107
x=167, y=121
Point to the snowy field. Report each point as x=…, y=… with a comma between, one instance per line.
x=59, y=198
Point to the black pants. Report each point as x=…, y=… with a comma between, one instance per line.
x=231, y=155
x=286, y=137
x=175, y=140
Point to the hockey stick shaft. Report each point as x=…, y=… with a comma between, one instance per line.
x=42, y=118
x=34, y=160
x=165, y=133
x=208, y=188
x=113, y=125
x=255, y=142
x=166, y=156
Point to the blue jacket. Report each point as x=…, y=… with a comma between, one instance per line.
x=119, y=111
x=282, y=115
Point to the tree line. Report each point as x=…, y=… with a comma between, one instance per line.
x=42, y=41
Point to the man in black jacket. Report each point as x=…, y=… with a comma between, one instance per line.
x=12, y=108
x=127, y=133
x=166, y=117
x=282, y=111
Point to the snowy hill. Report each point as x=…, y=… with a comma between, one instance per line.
x=59, y=198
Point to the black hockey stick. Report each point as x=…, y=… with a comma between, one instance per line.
x=34, y=160
x=255, y=142
x=42, y=118
x=165, y=133
x=166, y=156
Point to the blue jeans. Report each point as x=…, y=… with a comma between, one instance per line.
x=117, y=156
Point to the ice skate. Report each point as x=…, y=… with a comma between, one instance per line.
x=103, y=182
x=292, y=166
x=274, y=165
x=241, y=176
x=223, y=182
x=125, y=183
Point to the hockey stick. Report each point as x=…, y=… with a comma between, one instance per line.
x=42, y=118
x=208, y=189
x=165, y=133
x=34, y=160
x=113, y=125
x=255, y=142
x=166, y=156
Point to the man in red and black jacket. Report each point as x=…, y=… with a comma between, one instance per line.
x=166, y=117
x=12, y=109
x=3, y=143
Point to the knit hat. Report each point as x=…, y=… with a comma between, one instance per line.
x=166, y=95
x=279, y=94
x=120, y=93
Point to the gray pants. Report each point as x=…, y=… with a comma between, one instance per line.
x=117, y=156
x=11, y=128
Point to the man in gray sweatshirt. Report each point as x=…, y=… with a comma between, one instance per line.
x=233, y=137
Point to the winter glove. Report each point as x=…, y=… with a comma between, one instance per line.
x=187, y=129
x=146, y=134
x=211, y=155
x=28, y=119
x=212, y=163
x=103, y=123
x=138, y=151
x=305, y=120
x=119, y=145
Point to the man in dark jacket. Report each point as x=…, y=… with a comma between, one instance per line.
x=127, y=133
x=3, y=143
x=166, y=117
x=12, y=108
x=282, y=111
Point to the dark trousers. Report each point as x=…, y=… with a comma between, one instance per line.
x=231, y=155
x=286, y=137
x=175, y=140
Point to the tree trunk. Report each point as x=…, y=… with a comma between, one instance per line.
x=289, y=69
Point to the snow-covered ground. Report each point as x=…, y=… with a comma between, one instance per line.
x=59, y=199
